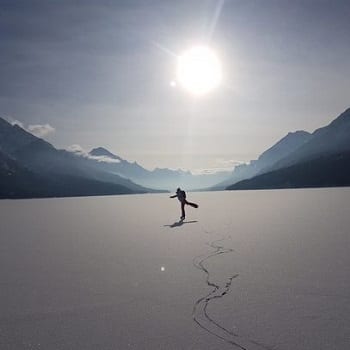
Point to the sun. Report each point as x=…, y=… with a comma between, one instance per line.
x=199, y=70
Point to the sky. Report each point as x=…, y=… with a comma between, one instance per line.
x=98, y=73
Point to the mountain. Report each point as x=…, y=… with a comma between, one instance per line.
x=324, y=171
x=323, y=160
x=285, y=146
x=59, y=169
x=13, y=137
x=103, y=152
x=158, y=178
x=121, y=167
x=101, y=165
x=331, y=139
x=17, y=181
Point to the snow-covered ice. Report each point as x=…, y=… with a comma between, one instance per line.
x=247, y=270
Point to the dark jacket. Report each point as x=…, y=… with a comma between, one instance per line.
x=181, y=196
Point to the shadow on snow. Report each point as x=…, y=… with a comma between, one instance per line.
x=180, y=223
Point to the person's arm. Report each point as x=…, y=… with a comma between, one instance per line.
x=174, y=196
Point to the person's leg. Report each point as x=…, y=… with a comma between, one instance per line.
x=183, y=209
x=194, y=205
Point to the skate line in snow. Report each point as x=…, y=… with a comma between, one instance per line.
x=200, y=313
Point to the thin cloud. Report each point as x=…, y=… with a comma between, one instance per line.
x=210, y=171
x=77, y=149
x=38, y=130
x=222, y=165
x=41, y=130
x=228, y=163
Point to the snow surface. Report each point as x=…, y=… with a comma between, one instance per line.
x=247, y=270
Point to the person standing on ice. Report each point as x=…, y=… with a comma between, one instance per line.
x=181, y=196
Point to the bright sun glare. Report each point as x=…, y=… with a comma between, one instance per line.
x=199, y=70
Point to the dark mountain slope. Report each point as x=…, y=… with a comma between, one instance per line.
x=278, y=151
x=13, y=137
x=331, y=139
x=56, y=168
x=288, y=144
x=17, y=181
x=325, y=171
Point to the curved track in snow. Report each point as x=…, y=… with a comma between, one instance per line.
x=200, y=312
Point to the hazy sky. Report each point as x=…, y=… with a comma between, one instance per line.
x=95, y=72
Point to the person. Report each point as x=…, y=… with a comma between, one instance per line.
x=181, y=196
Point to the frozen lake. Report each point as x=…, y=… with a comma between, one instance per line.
x=247, y=270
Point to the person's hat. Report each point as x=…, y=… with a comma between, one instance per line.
x=178, y=189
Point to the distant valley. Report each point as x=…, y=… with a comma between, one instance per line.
x=31, y=167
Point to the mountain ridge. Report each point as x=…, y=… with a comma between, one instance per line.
x=325, y=171
x=284, y=146
x=332, y=138
x=157, y=178
x=59, y=172
x=330, y=143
